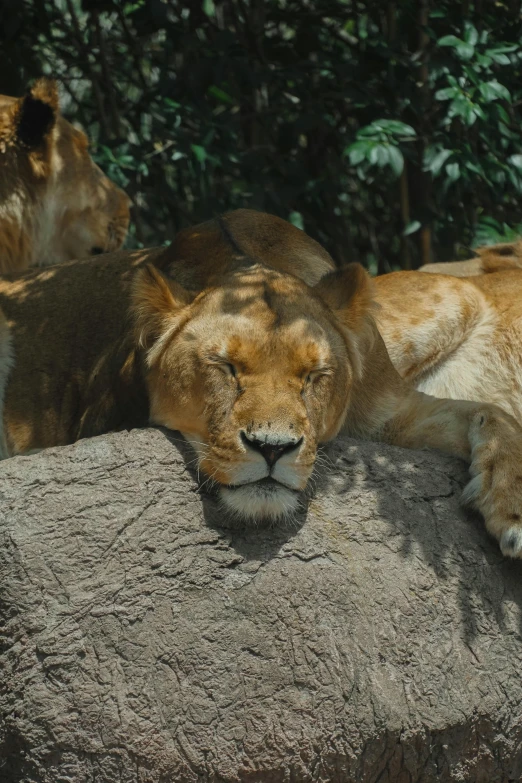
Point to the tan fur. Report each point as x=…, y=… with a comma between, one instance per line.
x=55, y=203
x=491, y=258
x=255, y=366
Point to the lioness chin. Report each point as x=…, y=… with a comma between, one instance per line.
x=242, y=337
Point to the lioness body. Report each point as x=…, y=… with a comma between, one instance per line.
x=275, y=355
x=55, y=203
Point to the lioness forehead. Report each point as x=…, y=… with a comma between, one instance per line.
x=264, y=318
x=265, y=294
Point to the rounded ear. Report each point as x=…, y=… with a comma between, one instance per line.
x=506, y=249
x=157, y=306
x=349, y=293
x=34, y=115
x=495, y=258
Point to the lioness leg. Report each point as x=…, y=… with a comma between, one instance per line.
x=447, y=337
x=424, y=320
x=488, y=438
x=385, y=407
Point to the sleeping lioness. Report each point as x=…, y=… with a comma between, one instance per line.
x=243, y=337
x=55, y=203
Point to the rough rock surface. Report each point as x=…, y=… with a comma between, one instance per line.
x=378, y=640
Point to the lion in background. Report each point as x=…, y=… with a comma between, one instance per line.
x=243, y=337
x=490, y=258
x=55, y=203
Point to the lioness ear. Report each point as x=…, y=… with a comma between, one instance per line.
x=34, y=115
x=349, y=293
x=495, y=258
x=157, y=306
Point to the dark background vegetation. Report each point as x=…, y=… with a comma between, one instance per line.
x=390, y=131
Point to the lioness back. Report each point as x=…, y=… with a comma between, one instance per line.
x=55, y=203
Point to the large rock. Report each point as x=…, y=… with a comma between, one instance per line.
x=376, y=640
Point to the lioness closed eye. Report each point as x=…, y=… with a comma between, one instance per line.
x=55, y=203
x=252, y=347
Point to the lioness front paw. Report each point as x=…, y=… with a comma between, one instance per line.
x=496, y=487
x=511, y=542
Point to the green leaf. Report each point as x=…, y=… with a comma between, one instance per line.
x=464, y=49
x=506, y=132
x=516, y=180
x=453, y=171
x=396, y=160
x=463, y=107
x=450, y=40
x=502, y=113
x=379, y=155
x=503, y=49
x=516, y=161
x=129, y=8
x=296, y=219
x=493, y=90
x=358, y=151
x=438, y=161
x=470, y=34
x=379, y=130
x=472, y=74
x=200, y=153
x=371, y=131
x=500, y=59
x=447, y=93
x=411, y=228
x=395, y=128
x=477, y=169
x=221, y=95
x=474, y=168
x=483, y=60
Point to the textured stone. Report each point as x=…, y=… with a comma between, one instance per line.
x=142, y=641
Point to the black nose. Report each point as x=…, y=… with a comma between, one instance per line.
x=270, y=451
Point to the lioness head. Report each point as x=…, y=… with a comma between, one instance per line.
x=255, y=373
x=55, y=203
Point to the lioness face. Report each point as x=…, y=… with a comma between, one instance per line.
x=255, y=374
x=88, y=212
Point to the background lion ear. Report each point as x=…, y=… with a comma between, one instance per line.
x=35, y=114
x=157, y=305
x=349, y=293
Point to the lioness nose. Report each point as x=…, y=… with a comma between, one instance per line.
x=270, y=451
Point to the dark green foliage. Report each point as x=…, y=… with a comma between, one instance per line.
x=389, y=131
